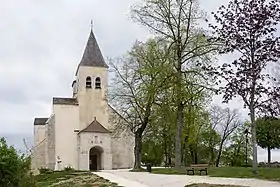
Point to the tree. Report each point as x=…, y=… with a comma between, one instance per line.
x=14, y=168
x=236, y=151
x=175, y=21
x=226, y=122
x=246, y=28
x=138, y=79
x=268, y=134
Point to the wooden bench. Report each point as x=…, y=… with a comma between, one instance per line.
x=198, y=167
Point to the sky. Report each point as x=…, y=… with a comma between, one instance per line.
x=41, y=44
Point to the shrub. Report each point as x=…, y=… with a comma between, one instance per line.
x=68, y=168
x=14, y=168
x=44, y=170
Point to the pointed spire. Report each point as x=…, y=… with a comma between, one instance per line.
x=92, y=55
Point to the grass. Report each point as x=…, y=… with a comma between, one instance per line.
x=72, y=179
x=211, y=185
x=229, y=172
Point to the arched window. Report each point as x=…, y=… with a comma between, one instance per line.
x=97, y=83
x=88, y=82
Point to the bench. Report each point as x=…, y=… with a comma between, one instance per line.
x=198, y=167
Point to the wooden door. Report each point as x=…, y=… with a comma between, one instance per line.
x=93, y=162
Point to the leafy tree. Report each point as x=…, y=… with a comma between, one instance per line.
x=268, y=134
x=247, y=29
x=138, y=79
x=237, y=150
x=210, y=139
x=14, y=168
x=175, y=21
x=153, y=152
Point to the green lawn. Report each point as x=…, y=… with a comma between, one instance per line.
x=72, y=179
x=233, y=172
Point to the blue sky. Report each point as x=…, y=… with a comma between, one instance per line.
x=41, y=44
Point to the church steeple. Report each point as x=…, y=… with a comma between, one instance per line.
x=92, y=55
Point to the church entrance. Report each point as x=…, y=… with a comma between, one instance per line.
x=95, y=158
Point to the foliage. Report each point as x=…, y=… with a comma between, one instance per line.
x=138, y=79
x=234, y=153
x=175, y=22
x=268, y=134
x=69, y=168
x=152, y=152
x=14, y=168
x=44, y=170
x=247, y=29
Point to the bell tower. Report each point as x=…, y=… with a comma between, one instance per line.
x=91, y=85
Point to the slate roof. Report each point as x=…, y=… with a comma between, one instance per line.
x=95, y=126
x=92, y=55
x=40, y=121
x=65, y=101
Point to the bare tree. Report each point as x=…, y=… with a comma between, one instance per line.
x=225, y=121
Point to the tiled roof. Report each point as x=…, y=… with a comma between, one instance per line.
x=95, y=126
x=65, y=101
x=40, y=121
x=92, y=55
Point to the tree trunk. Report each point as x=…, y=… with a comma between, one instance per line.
x=165, y=149
x=219, y=154
x=179, y=136
x=269, y=156
x=195, y=157
x=254, y=139
x=184, y=155
x=192, y=153
x=137, y=150
x=212, y=156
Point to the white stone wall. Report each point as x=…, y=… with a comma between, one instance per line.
x=39, y=149
x=87, y=141
x=122, y=142
x=92, y=102
x=50, y=143
x=66, y=121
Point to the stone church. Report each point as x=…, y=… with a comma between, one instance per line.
x=84, y=132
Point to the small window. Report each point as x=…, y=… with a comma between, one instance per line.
x=88, y=82
x=97, y=83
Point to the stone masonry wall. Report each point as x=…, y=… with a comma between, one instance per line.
x=50, y=133
x=39, y=149
x=122, y=141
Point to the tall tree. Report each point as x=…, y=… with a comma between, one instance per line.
x=247, y=29
x=268, y=134
x=176, y=22
x=138, y=79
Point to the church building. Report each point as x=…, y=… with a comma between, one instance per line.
x=84, y=132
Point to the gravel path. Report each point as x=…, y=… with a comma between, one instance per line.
x=144, y=179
